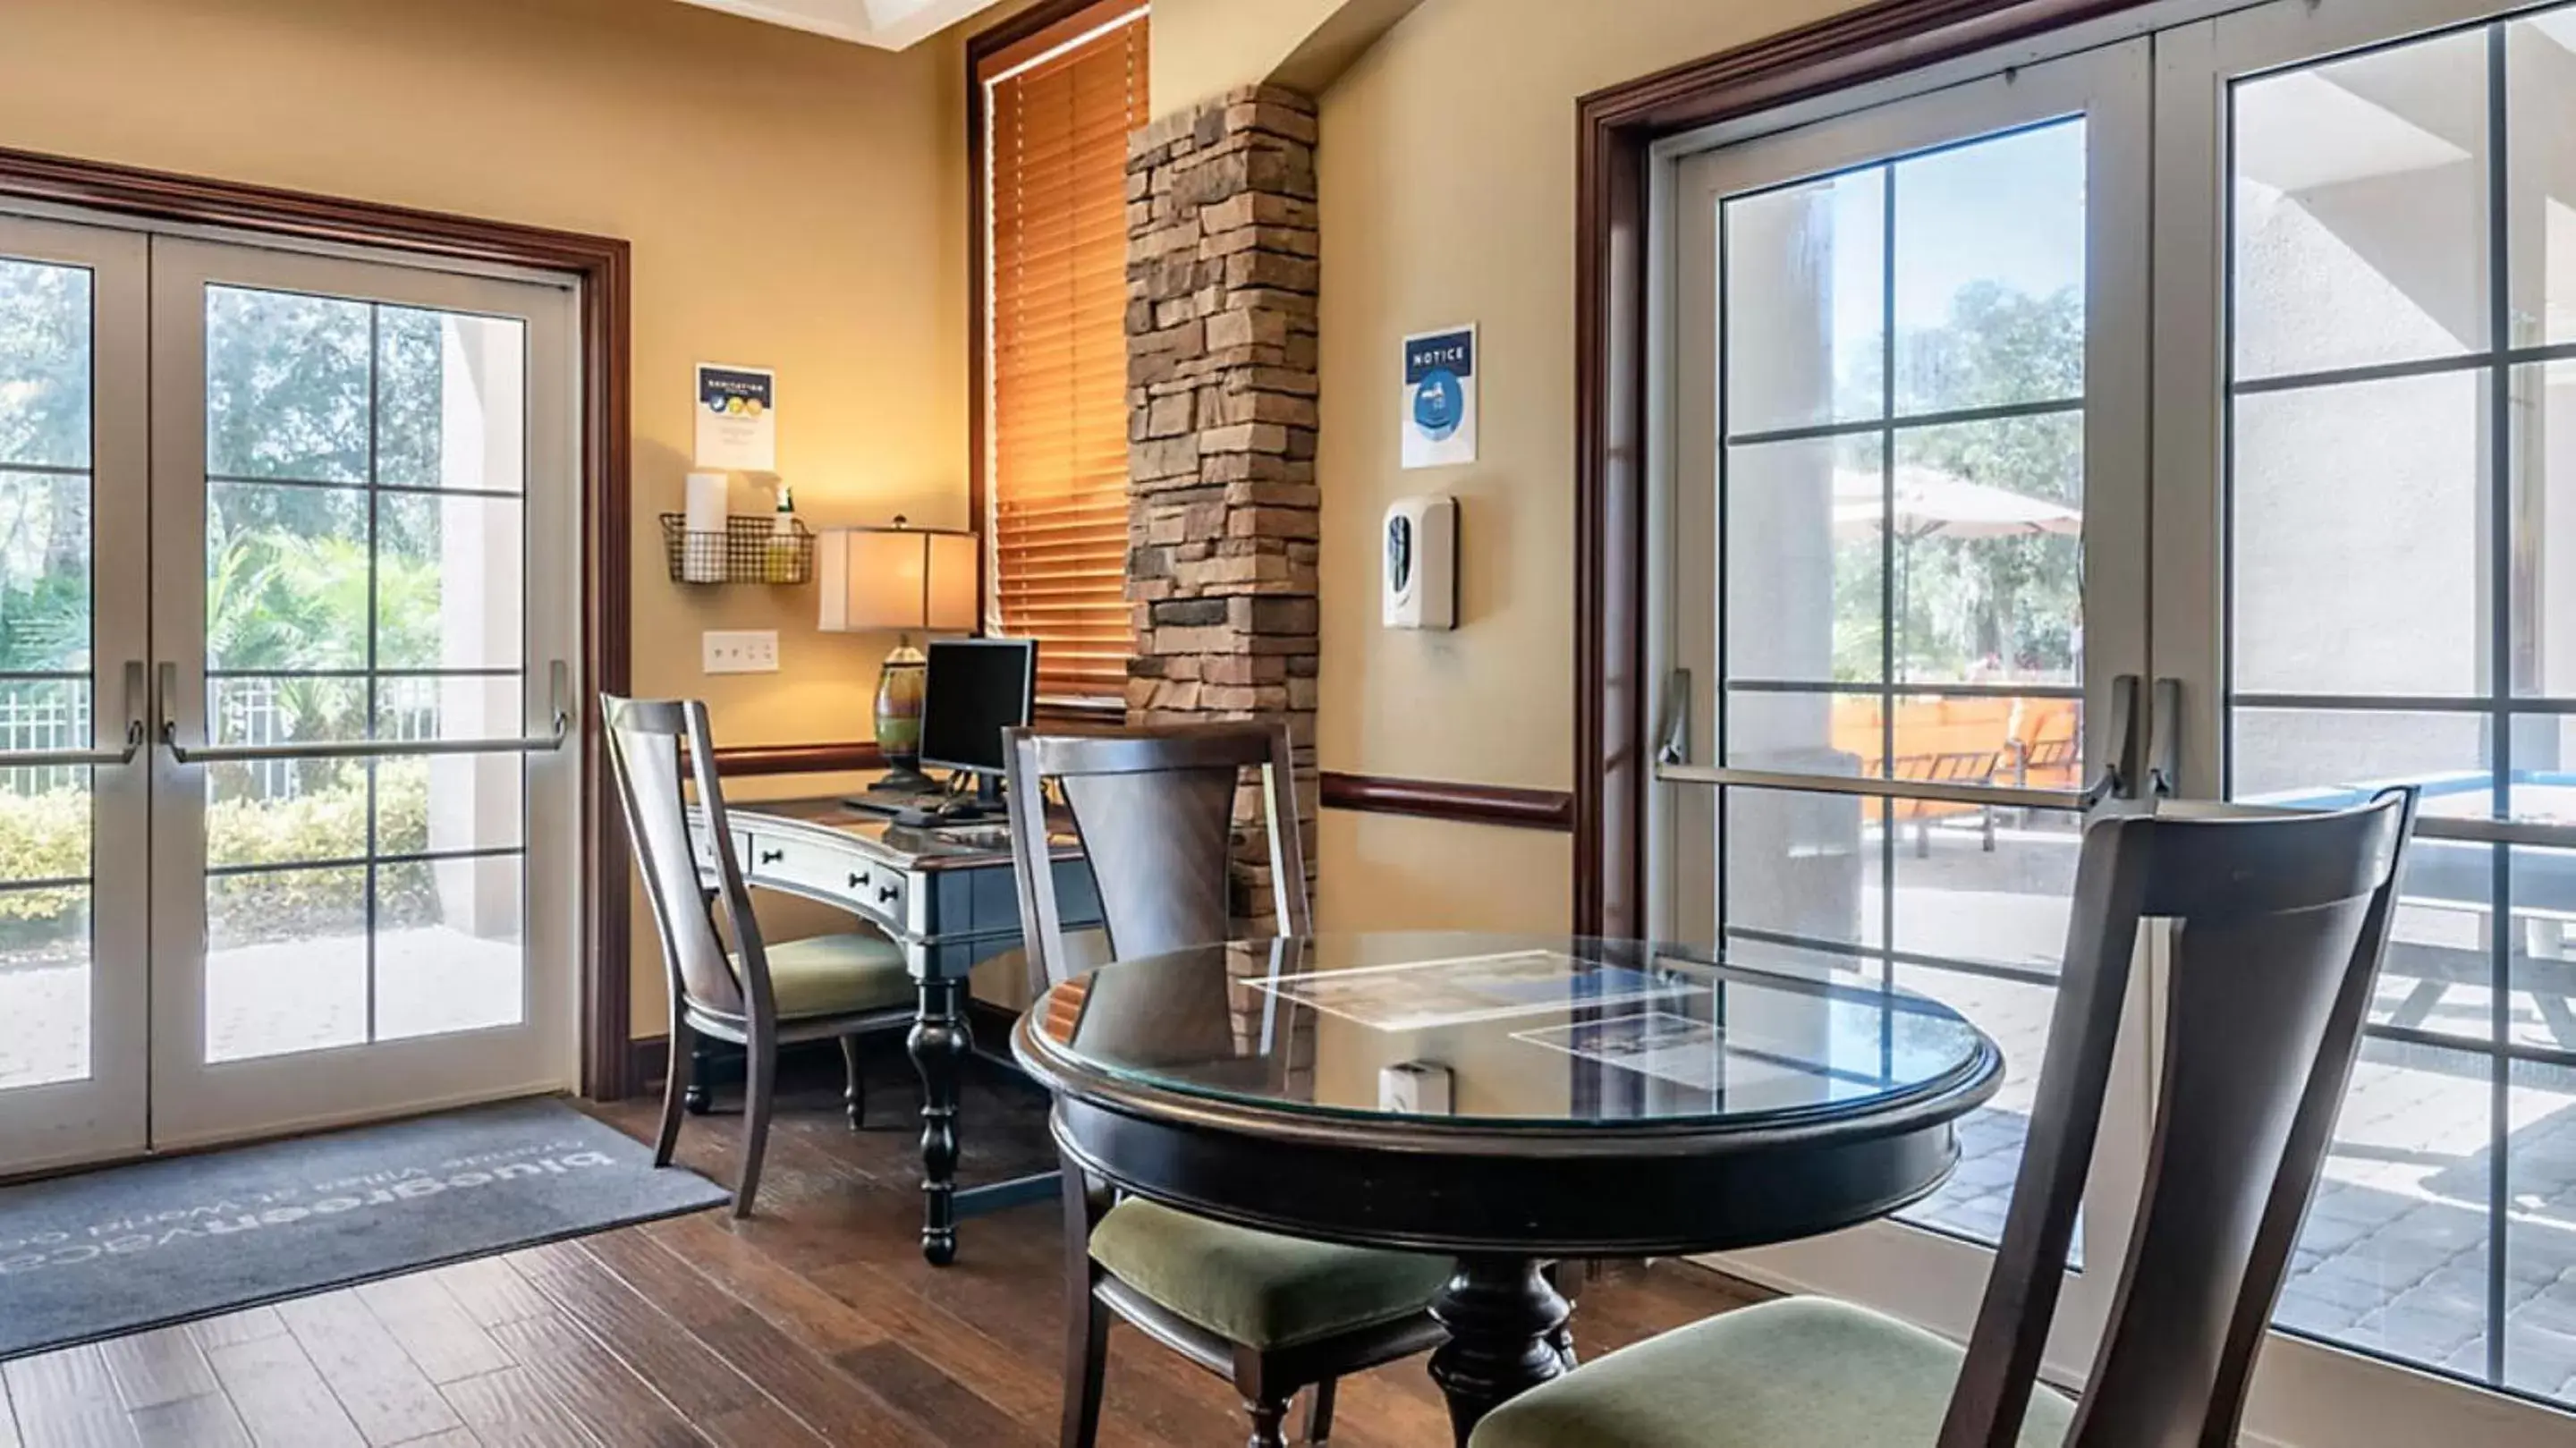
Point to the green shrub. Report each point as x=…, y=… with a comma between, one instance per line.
x=47, y=837
x=43, y=837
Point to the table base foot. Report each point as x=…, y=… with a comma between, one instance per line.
x=1505, y=1323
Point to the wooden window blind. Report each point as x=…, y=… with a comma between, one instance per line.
x=1055, y=420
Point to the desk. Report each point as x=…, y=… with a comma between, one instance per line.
x=948, y=898
x=1608, y=1099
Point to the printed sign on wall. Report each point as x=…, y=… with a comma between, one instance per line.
x=1440, y=397
x=738, y=418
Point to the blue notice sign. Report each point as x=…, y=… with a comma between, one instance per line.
x=1440, y=398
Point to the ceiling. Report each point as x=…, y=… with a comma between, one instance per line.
x=886, y=24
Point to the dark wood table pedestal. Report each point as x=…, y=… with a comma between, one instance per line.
x=1507, y=1334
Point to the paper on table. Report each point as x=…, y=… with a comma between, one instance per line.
x=703, y=561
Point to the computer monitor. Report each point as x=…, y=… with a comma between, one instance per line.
x=976, y=688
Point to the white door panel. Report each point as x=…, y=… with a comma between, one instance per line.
x=72, y=563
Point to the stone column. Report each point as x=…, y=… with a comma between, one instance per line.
x=1221, y=386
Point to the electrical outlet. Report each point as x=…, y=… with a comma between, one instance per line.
x=739, y=651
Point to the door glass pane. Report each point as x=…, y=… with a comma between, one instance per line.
x=2337, y=489
x=44, y=983
x=2543, y=585
x=44, y=571
x=451, y=398
x=1805, y=303
x=286, y=962
x=2540, y=1235
x=45, y=689
x=1803, y=524
x=288, y=390
x=2359, y=233
x=1902, y=594
x=1989, y=524
x=447, y=582
x=1985, y=314
x=44, y=365
x=2541, y=160
x=367, y=582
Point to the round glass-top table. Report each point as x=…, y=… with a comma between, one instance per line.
x=1505, y=1100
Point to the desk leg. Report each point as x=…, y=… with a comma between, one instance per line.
x=700, y=1098
x=939, y=1045
x=1504, y=1320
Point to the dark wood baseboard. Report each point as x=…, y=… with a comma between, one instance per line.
x=1475, y=804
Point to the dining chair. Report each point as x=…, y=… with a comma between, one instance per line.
x=1275, y=1315
x=2279, y=926
x=757, y=996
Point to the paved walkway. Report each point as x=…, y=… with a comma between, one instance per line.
x=2393, y=1256
x=269, y=999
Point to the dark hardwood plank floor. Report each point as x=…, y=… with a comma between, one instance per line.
x=815, y=1323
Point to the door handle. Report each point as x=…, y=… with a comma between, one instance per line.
x=559, y=680
x=2164, y=761
x=91, y=758
x=1674, y=737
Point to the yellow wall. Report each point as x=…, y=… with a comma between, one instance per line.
x=793, y=202
x=1447, y=176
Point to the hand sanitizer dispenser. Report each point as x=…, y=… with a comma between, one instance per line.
x=1418, y=563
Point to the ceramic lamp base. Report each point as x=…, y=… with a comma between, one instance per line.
x=901, y=686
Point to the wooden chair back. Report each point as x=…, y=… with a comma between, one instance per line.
x=1155, y=812
x=644, y=744
x=2279, y=927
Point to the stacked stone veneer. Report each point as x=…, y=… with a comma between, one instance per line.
x=1221, y=387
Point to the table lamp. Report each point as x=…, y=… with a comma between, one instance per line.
x=906, y=579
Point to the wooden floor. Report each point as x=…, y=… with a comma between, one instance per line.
x=816, y=1322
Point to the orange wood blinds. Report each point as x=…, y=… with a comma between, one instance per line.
x=1056, y=374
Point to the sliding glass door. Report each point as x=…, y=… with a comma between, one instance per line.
x=2285, y=302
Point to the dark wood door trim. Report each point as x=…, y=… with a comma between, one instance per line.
x=604, y=267
x=1475, y=804
x=1617, y=125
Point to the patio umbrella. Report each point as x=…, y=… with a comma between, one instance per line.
x=1930, y=503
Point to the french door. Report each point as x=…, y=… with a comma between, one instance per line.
x=287, y=600
x=1908, y=613
x=2284, y=301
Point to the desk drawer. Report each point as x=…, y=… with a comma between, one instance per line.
x=843, y=877
x=702, y=844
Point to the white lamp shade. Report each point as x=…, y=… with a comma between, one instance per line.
x=896, y=578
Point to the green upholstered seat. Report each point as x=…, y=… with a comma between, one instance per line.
x=1253, y=1288
x=1801, y=1373
x=837, y=975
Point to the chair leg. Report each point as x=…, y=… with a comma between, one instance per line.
x=855, y=1095
x=760, y=1070
x=1267, y=1414
x=1319, y=1413
x=1086, y=1369
x=675, y=1089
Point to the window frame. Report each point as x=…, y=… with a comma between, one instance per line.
x=1048, y=22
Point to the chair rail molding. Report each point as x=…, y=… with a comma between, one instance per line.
x=604, y=268
x=1616, y=127
x=1473, y=804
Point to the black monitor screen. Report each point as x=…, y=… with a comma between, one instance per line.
x=976, y=689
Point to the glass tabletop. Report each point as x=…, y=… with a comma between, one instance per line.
x=1541, y=1030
